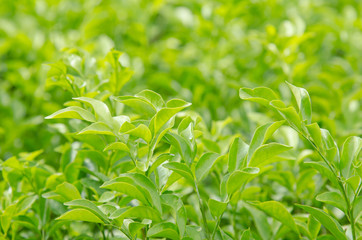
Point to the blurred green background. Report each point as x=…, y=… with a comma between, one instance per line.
x=201, y=51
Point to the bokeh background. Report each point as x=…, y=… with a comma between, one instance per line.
x=201, y=51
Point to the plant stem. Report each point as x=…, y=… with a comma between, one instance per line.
x=349, y=210
x=216, y=227
x=204, y=220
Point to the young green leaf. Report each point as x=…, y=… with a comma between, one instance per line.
x=97, y=128
x=182, y=146
x=154, y=98
x=141, y=131
x=245, y=235
x=332, y=198
x=303, y=102
x=163, y=230
x=182, y=169
x=139, y=212
x=265, y=152
x=240, y=177
x=237, y=153
x=68, y=191
x=140, y=105
x=261, y=222
x=88, y=205
x=80, y=214
x=327, y=221
x=288, y=113
x=262, y=134
x=165, y=114
x=262, y=95
x=117, y=146
x=101, y=109
x=217, y=208
x=350, y=151
x=204, y=165
x=279, y=212
x=73, y=112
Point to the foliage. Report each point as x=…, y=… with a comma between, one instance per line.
x=215, y=123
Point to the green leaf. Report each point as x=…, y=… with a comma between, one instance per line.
x=176, y=204
x=279, y=212
x=246, y=235
x=266, y=152
x=182, y=169
x=327, y=221
x=119, y=75
x=80, y=215
x=73, y=112
x=330, y=146
x=160, y=159
x=68, y=191
x=165, y=114
x=240, y=177
x=237, y=153
x=88, y=205
x=313, y=227
x=139, y=212
x=97, y=128
x=25, y=203
x=303, y=102
x=154, y=98
x=117, y=146
x=261, y=95
x=136, y=186
x=323, y=169
x=261, y=222
x=350, y=151
x=357, y=208
x=315, y=133
x=140, y=105
x=261, y=135
x=163, y=230
x=101, y=109
x=332, y=198
x=204, y=165
x=141, y=131
x=181, y=145
x=217, y=208
x=134, y=227
x=288, y=113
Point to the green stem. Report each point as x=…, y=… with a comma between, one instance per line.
x=349, y=210
x=204, y=220
x=216, y=227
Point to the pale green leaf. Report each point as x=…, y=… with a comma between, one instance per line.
x=240, y=177
x=181, y=169
x=238, y=151
x=97, y=128
x=217, y=208
x=279, y=212
x=88, y=205
x=303, y=102
x=265, y=152
x=262, y=95
x=204, y=165
x=332, y=198
x=73, y=112
x=350, y=151
x=100, y=108
x=163, y=230
x=80, y=214
x=327, y=221
x=117, y=146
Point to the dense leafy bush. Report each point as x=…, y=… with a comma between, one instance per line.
x=222, y=120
